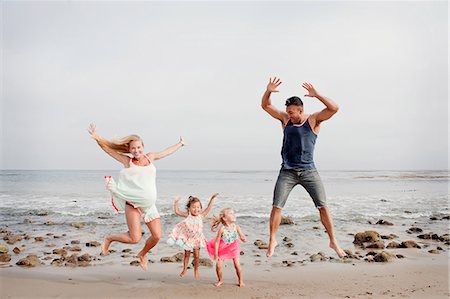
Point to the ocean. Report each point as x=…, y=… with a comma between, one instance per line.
x=29, y=199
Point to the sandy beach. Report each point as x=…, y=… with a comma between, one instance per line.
x=419, y=276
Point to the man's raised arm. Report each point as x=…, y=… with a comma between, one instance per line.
x=266, y=103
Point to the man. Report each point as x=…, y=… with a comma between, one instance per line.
x=300, y=133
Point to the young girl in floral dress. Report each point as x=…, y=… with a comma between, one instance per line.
x=188, y=234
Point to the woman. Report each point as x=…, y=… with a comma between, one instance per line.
x=135, y=192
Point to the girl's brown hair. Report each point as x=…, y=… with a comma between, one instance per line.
x=192, y=200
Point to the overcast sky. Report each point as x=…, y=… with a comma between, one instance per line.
x=199, y=69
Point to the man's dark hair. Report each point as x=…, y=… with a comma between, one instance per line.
x=294, y=101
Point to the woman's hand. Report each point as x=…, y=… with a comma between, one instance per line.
x=92, y=130
x=181, y=141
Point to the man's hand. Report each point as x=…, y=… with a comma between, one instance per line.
x=273, y=84
x=311, y=90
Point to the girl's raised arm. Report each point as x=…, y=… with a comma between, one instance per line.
x=177, y=209
x=208, y=208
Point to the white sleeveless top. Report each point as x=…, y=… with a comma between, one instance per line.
x=137, y=186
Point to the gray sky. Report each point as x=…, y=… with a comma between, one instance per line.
x=199, y=69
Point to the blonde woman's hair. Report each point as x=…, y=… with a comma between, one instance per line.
x=218, y=219
x=121, y=145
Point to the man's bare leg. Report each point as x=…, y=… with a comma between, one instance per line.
x=275, y=219
x=327, y=222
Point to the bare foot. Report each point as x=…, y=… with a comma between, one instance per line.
x=105, y=246
x=271, y=249
x=196, y=274
x=241, y=284
x=142, y=261
x=219, y=283
x=339, y=251
x=183, y=273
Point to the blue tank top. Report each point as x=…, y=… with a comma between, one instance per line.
x=298, y=146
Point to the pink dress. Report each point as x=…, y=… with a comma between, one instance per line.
x=188, y=234
x=229, y=244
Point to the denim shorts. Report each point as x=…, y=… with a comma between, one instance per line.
x=308, y=178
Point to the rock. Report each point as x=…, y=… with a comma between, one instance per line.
x=288, y=263
x=71, y=261
x=376, y=245
x=316, y=227
x=372, y=253
x=179, y=256
x=294, y=253
x=367, y=236
x=446, y=217
x=30, y=261
x=39, y=239
x=27, y=221
x=287, y=239
x=168, y=259
x=18, y=250
x=75, y=242
x=400, y=256
x=135, y=263
x=289, y=245
x=126, y=250
x=434, y=251
x=286, y=220
x=384, y=257
x=439, y=248
x=85, y=258
x=3, y=248
x=241, y=252
x=57, y=262
x=389, y=237
x=93, y=244
x=204, y=263
x=49, y=223
x=433, y=218
x=408, y=212
x=261, y=244
x=318, y=257
x=62, y=252
x=393, y=245
x=5, y=257
x=78, y=225
x=42, y=213
x=384, y=222
x=424, y=236
x=414, y=230
x=11, y=239
x=125, y=255
x=74, y=248
x=26, y=237
x=51, y=244
x=409, y=244
x=444, y=238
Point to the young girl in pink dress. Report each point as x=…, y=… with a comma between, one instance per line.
x=226, y=244
x=188, y=234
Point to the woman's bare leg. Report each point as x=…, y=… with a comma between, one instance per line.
x=134, y=234
x=155, y=229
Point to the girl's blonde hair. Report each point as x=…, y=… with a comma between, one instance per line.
x=121, y=145
x=218, y=219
